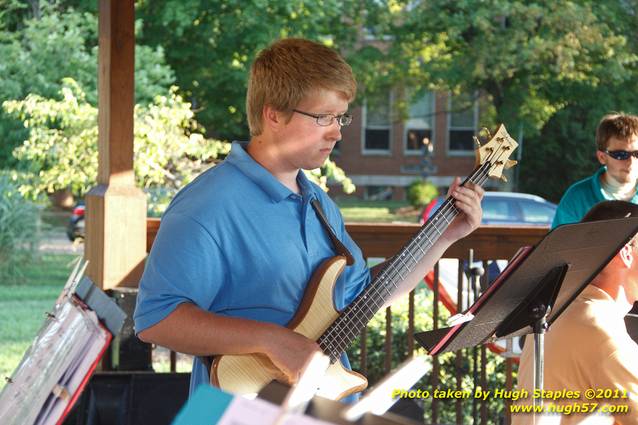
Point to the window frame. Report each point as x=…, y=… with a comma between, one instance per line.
x=407, y=126
x=364, y=127
x=474, y=129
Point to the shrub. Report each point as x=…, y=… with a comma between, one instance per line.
x=375, y=344
x=421, y=192
x=19, y=231
x=170, y=148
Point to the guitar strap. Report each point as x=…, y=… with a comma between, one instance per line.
x=339, y=247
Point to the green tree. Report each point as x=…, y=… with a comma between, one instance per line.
x=212, y=44
x=61, y=151
x=60, y=44
x=170, y=148
x=529, y=59
x=548, y=70
x=12, y=14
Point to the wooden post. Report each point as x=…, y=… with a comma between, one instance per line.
x=116, y=209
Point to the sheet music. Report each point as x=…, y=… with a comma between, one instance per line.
x=53, y=367
x=242, y=411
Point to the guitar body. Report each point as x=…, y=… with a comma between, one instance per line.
x=248, y=373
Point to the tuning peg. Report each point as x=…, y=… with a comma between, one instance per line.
x=503, y=179
x=510, y=163
x=484, y=134
x=476, y=140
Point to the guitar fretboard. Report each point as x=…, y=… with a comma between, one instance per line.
x=356, y=316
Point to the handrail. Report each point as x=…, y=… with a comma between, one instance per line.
x=385, y=240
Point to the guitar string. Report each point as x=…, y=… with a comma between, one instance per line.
x=339, y=339
x=387, y=278
x=388, y=275
x=343, y=343
x=343, y=337
x=351, y=314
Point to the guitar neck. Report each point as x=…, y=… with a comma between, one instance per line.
x=356, y=316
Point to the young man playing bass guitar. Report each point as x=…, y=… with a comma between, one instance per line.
x=238, y=246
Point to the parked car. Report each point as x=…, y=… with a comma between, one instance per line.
x=507, y=208
x=75, y=228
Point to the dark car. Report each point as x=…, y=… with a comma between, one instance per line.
x=75, y=228
x=507, y=208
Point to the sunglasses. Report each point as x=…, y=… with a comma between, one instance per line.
x=621, y=155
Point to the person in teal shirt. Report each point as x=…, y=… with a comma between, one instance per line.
x=617, y=152
x=237, y=247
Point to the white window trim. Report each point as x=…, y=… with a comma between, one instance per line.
x=419, y=152
x=364, y=126
x=449, y=151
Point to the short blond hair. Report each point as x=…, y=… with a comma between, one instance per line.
x=290, y=69
x=620, y=126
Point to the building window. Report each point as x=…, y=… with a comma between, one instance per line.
x=419, y=125
x=462, y=123
x=377, y=123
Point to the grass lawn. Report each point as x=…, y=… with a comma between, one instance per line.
x=377, y=211
x=22, y=307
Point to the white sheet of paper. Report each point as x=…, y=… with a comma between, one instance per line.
x=242, y=411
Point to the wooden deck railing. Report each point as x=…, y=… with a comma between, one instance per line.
x=384, y=240
x=486, y=243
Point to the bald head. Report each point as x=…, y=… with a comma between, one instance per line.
x=620, y=277
x=609, y=210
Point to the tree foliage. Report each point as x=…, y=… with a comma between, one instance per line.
x=60, y=44
x=64, y=44
x=61, y=151
x=213, y=43
x=528, y=58
x=548, y=70
x=169, y=146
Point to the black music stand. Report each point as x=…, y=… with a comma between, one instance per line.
x=536, y=287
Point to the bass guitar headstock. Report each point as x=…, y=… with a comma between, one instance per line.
x=496, y=152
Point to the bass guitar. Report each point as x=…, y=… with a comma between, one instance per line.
x=334, y=330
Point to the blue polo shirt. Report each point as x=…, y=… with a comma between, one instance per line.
x=580, y=197
x=238, y=243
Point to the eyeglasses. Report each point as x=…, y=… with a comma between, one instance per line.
x=325, y=120
x=621, y=155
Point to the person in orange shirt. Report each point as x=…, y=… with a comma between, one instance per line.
x=588, y=346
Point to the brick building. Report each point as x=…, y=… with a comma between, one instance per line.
x=383, y=154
